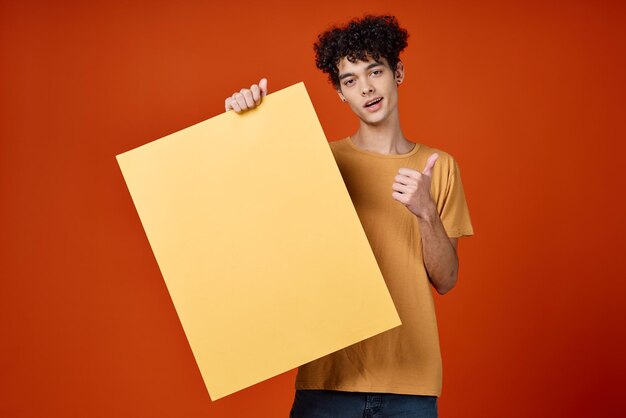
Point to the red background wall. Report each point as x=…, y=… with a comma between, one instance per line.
x=528, y=96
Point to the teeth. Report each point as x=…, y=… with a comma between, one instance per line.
x=373, y=102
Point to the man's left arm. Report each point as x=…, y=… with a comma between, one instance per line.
x=412, y=188
x=439, y=252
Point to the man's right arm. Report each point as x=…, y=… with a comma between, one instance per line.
x=246, y=99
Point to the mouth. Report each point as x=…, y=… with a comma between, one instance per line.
x=373, y=102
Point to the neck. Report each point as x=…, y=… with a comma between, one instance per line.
x=383, y=138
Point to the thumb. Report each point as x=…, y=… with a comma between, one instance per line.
x=428, y=169
x=263, y=87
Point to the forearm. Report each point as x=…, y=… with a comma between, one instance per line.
x=438, y=252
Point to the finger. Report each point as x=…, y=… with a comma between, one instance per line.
x=256, y=94
x=400, y=197
x=402, y=188
x=247, y=96
x=263, y=87
x=231, y=103
x=240, y=101
x=402, y=179
x=234, y=105
x=428, y=170
x=409, y=172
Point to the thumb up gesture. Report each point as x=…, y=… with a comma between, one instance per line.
x=412, y=189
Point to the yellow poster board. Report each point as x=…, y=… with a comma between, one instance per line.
x=258, y=242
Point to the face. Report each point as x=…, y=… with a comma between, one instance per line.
x=362, y=82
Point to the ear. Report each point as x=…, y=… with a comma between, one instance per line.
x=399, y=73
x=343, y=99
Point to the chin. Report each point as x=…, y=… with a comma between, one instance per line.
x=375, y=119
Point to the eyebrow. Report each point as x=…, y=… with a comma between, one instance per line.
x=372, y=65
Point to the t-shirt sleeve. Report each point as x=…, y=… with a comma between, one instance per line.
x=451, y=202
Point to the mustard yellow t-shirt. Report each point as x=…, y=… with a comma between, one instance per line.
x=405, y=359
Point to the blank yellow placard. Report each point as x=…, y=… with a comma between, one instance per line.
x=258, y=241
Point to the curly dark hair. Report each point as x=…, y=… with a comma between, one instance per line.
x=377, y=36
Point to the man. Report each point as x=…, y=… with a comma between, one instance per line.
x=411, y=203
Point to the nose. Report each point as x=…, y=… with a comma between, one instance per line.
x=367, y=88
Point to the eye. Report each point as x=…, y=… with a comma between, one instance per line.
x=377, y=72
x=348, y=82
